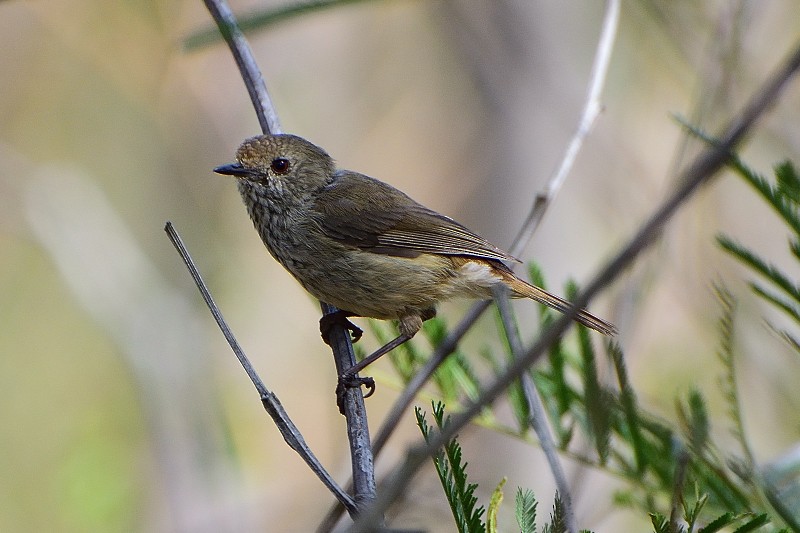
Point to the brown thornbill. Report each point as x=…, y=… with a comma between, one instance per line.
x=360, y=244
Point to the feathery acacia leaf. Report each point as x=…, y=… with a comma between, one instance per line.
x=525, y=510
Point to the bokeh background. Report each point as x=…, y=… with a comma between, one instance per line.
x=121, y=407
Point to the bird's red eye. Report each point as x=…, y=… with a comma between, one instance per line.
x=280, y=165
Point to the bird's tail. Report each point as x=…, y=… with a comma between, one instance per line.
x=522, y=289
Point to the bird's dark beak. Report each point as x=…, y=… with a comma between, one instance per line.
x=233, y=169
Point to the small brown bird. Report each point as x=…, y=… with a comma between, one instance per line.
x=365, y=247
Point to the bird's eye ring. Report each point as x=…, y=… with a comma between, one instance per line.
x=280, y=165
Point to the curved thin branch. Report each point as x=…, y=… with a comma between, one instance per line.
x=248, y=68
x=591, y=110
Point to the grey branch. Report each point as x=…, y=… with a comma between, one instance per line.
x=591, y=110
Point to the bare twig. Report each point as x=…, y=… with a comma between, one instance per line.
x=699, y=173
x=248, y=68
x=271, y=403
x=536, y=418
x=355, y=413
x=591, y=110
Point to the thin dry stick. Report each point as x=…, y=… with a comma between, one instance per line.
x=248, y=68
x=700, y=172
x=354, y=409
x=271, y=403
x=536, y=418
x=590, y=112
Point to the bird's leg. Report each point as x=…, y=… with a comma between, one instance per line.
x=409, y=326
x=339, y=317
x=349, y=378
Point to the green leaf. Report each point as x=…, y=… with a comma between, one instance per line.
x=456, y=378
x=718, y=523
x=695, y=419
x=596, y=399
x=730, y=389
x=788, y=181
x=770, y=272
x=755, y=523
x=777, y=301
x=422, y=423
x=691, y=515
x=525, y=510
x=452, y=473
x=660, y=523
x=629, y=408
x=558, y=518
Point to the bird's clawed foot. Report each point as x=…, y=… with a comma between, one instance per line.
x=327, y=322
x=348, y=380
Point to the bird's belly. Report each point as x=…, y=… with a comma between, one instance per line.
x=376, y=285
x=387, y=287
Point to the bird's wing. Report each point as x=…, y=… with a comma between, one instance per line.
x=361, y=211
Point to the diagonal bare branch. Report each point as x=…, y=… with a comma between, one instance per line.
x=273, y=406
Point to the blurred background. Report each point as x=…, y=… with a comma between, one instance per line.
x=122, y=407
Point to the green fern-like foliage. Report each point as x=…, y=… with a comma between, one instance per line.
x=658, y=460
x=783, y=196
x=460, y=494
x=525, y=510
x=452, y=472
x=558, y=522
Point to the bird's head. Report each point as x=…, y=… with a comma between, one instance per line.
x=281, y=164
